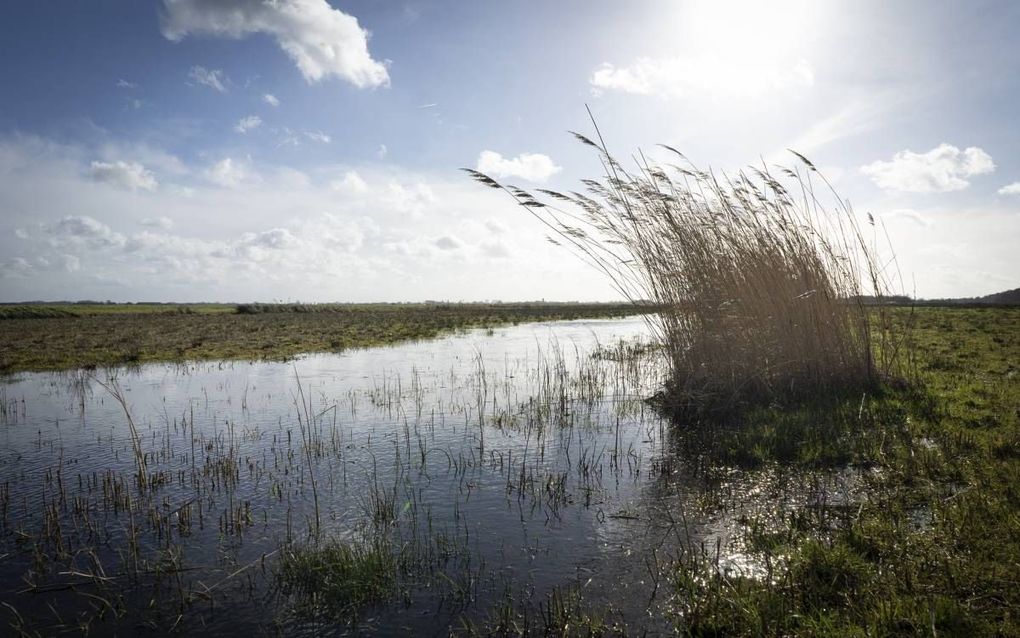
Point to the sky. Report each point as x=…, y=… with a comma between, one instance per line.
x=309, y=151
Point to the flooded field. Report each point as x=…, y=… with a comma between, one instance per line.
x=491, y=481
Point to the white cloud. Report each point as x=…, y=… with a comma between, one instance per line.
x=496, y=227
x=273, y=239
x=248, y=123
x=162, y=223
x=71, y=263
x=447, y=242
x=227, y=172
x=127, y=175
x=533, y=167
x=124, y=84
x=944, y=168
x=318, y=136
x=271, y=100
x=295, y=234
x=1010, y=189
x=411, y=200
x=495, y=250
x=382, y=152
x=909, y=214
x=352, y=184
x=693, y=76
x=321, y=40
x=212, y=78
x=82, y=229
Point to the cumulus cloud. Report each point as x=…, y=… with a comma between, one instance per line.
x=212, y=78
x=128, y=175
x=281, y=233
x=162, y=223
x=495, y=250
x=533, y=167
x=411, y=200
x=322, y=41
x=943, y=169
x=227, y=172
x=248, y=123
x=71, y=263
x=271, y=100
x=1010, y=189
x=273, y=239
x=447, y=242
x=681, y=77
x=352, y=183
x=82, y=229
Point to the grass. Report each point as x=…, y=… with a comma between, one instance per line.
x=337, y=579
x=760, y=284
x=66, y=336
x=932, y=546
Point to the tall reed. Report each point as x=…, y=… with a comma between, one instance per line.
x=760, y=287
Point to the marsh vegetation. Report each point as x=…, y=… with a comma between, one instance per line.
x=67, y=336
x=511, y=483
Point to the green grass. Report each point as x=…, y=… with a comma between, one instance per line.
x=337, y=579
x=932, y=547
x=66, y=336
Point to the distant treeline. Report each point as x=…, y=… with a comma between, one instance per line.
x=1004, y=298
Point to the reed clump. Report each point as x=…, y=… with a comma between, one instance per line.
x=761, y=288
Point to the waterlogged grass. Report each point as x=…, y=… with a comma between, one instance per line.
x=891, y=512
x=562, y=612
x=930, y=544
x=337, y=579
x=66, y=336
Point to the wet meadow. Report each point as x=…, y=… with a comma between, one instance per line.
x=511, y=480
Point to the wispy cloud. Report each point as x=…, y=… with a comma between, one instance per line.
x=124, y=84
x=321, y=40
x=212, y=78
x=1010, y=189
x=318, y=136
x=943, y=169
x=694, y=76
x=534, y=167
x=271, y=100
x=248, y=123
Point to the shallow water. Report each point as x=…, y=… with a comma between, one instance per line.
x=500, y=463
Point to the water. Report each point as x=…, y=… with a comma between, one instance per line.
x=500, y=466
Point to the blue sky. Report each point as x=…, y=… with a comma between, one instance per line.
x=240, y=150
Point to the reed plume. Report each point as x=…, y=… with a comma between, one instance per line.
x=760, y=288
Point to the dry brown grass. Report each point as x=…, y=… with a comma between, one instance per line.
x=760, y=285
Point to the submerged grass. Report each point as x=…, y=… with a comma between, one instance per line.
x=337, y=579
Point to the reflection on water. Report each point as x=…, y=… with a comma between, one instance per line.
x=506, y=463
